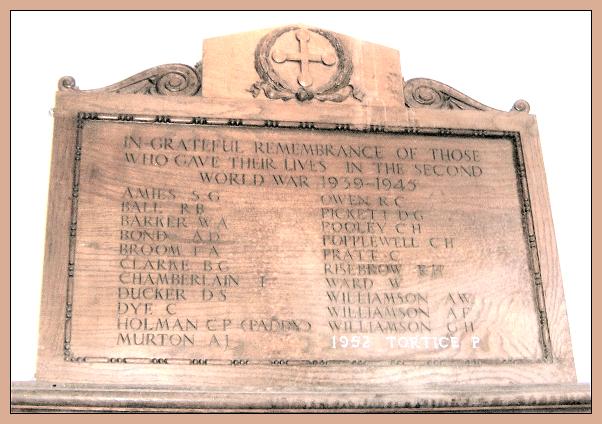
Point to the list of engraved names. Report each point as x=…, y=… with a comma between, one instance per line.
x=243, y=243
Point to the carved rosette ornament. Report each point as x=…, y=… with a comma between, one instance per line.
x=164, y=80
x=317, y=67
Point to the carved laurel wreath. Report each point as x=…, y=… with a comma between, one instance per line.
x=337, y=89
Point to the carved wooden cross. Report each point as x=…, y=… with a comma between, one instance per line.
x=304, y=57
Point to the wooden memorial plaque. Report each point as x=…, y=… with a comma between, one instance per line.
x=295, y=227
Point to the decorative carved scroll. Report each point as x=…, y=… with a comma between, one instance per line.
x=164, y=80
x=431, y=94
x=520, y=106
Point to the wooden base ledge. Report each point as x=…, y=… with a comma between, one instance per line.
x=30, y=397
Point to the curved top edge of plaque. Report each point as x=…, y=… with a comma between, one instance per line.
x=169, y=80
x=428, y=93
x=252, y=64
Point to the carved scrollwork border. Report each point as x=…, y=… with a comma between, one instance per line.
x=164, y=80
x=431, y=94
